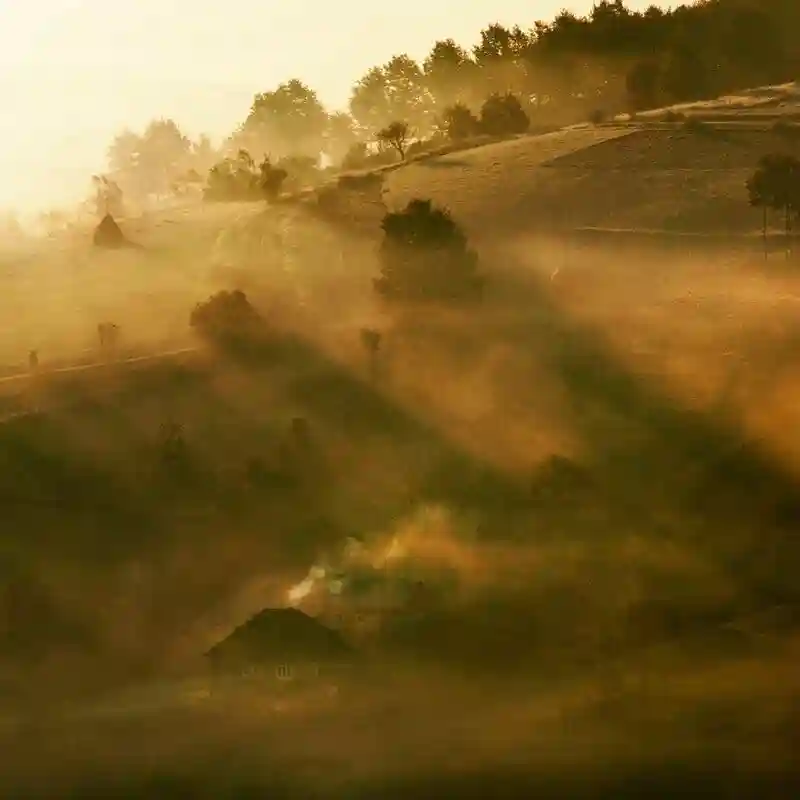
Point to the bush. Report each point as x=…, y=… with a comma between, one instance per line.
x=226, y=317
x=233, y=180
x=503, y=115
x=425, y=257
x=459, y=123
x=597, y=117
x=239, y=180
x=271, y=179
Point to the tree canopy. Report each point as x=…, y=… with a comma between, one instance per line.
x=559, y=72
x=289, y=121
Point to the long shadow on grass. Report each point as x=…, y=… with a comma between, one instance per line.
x=353, y=407
x=739, y=503
x=686, y=475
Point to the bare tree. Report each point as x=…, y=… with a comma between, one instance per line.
x=395, y=135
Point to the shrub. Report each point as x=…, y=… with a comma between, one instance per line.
x=271, y=179
x=238, y=179
x=232, y=180
x=425, y=257
x=597, y=117
x=503, y=115
x=460, y=123
x=226, y=317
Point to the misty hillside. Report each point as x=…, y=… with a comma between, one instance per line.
x=495, y=409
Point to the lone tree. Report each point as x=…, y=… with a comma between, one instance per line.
x=776, y=185
x=226, y=318
x=459, y=122
x=395, y=135
x=425, y=257
x=503, y=115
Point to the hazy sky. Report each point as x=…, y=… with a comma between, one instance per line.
x=74, y=72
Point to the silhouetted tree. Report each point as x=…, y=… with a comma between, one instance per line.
x=776, y=184
x=369, y=100
x=502, y=114
x=148, y=164
x=449, y=74
x=226, y=318
x=609, y=58
x=271, y=179
x=459, y=122
x=238, y=179
x=500, y=59
x=424, y=256
x=394, y=135
x=287, y=121
x=393, y=91
x=408, y=95
x=687, y=75
x=233, y=179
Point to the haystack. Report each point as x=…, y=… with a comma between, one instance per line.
x=276, y=638
x=108, y=233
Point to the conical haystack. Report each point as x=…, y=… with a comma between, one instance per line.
x=108, y=233
x=278, y=637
